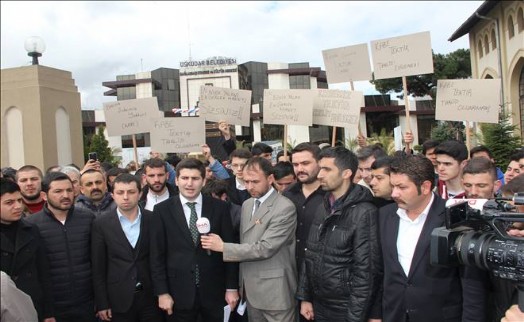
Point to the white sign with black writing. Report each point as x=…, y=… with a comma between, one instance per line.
x=476, y=100
x=130, y=116
x=347, y=64
x=178, y=134
x=225, y=104
x=289, y=106
x=337, y=108
x=402, y=56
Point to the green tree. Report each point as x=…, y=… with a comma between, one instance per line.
x=100, y=145
x=455, y=65
x=448, y=130
x=500, y=139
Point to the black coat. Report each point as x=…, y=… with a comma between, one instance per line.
x=174, y=255
x=233, y=194
x=29, y=267
x=173, y=190
x=68, y=249
x=429, y=293
x=117, y=267
x=342, y=260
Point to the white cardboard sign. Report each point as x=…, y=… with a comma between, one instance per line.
x=402, y=56
x=178, y=134
x=232, y=105
x=346, y=64
x=337, y=108
x=130, y=116
x=288, y=106
x=476, y=100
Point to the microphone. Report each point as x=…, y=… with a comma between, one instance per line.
x=203, y=227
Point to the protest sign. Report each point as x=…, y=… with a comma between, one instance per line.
x=347, y=64
x=402, y=56
x=232, y=105
x=178, y=134
x=130, y=116
x=337, y=108
x=476, y=100
x=288, y=106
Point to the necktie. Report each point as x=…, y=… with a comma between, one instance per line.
x=194, y=234
x=257, y=204
x=192, y=222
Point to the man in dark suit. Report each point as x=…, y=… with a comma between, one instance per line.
x=414, y=290
x=120, y=258
x=184, y=275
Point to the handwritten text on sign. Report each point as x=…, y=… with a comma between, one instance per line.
x=232, y=105
x=288, y=106
x=347, y=64
x=130, y=116
x=178, y=134
x=402, y=56
x=337, y=108
x=475, y=100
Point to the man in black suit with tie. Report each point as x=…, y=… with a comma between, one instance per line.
x=120, y=258
x=413, y=289
x=189, y=281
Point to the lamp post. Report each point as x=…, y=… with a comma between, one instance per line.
x=34, y=46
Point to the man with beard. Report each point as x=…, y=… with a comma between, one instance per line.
x=306, y=193
x=340, y=276
x=66, y=235
x=157, y=188
x=29, y=178
x=95, y=196
x=479, y=179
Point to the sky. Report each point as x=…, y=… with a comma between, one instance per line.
x=98, y=40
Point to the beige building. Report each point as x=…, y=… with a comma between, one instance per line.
x=41, y=118
x=496, y=40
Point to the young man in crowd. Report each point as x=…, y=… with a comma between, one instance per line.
x=366, y=156
x=341, y=271
x=157, y=188
x=380, y=183
x=23, y=255
x=483, y=151
x=237, y=191
x=191, y=283
x=414, y=290
x=66, y=235
x=514, y=167
x=120, y=258
x=451, y=158
x=284, y=176
x=479, y=179
x=29, y=178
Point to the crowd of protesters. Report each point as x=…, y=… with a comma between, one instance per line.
x=315, y=233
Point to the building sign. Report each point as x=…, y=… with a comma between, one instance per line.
x=209, y=62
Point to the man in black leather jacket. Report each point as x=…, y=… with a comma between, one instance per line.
x=340, y=276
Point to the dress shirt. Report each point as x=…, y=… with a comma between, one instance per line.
x=153, y=199
x=408, y=235
x=131, y=229
x=187, y=210
x=240, y=186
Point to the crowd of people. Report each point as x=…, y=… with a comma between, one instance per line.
x=318, y=233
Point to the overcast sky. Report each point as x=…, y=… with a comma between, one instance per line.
x=101, y=39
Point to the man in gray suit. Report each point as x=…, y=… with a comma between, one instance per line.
x=267, y=248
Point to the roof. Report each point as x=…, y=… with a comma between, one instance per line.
x=466, y=27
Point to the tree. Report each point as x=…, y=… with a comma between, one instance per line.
x=100, y=145
x=455, y=65
x=448, y=130
x=500, y=139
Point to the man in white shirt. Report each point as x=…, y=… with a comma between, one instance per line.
x=414, y=290
x=157, y=188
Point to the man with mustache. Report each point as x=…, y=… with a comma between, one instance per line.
x=95, y=196
x=157, y=188
x=66, y=235
x=29, y=178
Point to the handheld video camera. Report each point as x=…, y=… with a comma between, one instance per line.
x=475, y=235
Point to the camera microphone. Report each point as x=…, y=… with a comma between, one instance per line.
x=204, y=227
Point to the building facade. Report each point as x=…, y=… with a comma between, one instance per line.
x=496, y=40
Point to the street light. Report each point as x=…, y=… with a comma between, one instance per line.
x=34, y=46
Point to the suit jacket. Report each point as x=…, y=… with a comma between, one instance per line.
x=29, y=267
x=429, y=293
x=266, y=251
x=174, y=256
x=116, y=266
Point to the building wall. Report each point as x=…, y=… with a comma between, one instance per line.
x=41, y=99
x=485, y=58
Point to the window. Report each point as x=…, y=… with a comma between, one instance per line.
x=493, y=40
x=171, y=84
x=486, y=44
x=520, y=20
x=479, y=49
x=511, y=28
